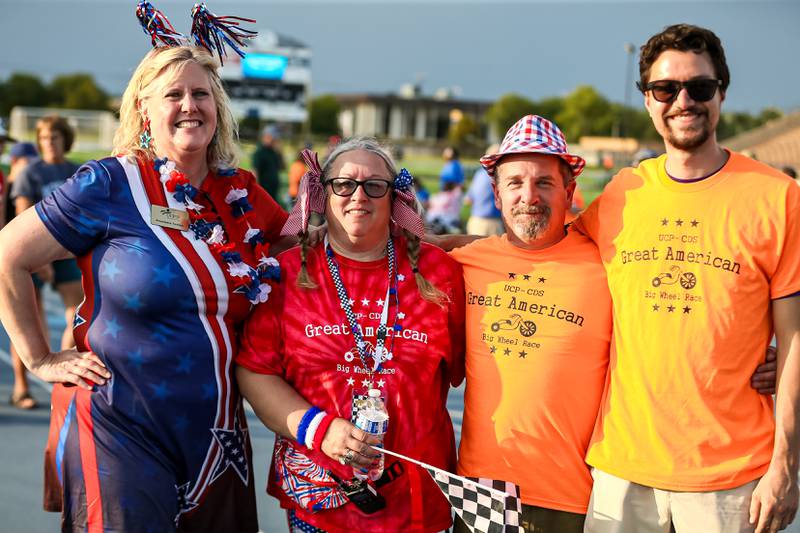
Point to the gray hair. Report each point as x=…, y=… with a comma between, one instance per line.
x=367, y=144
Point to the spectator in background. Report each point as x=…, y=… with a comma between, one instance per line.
x=3, y=139
x=444, y=209
x=296, y=172
x=268, y=161
x=452, y=171
x=485, y=218
x=21, y=156
x=35, y=182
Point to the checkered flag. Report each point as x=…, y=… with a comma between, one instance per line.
x=485, y=505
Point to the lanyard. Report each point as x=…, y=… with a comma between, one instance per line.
x=381, y=354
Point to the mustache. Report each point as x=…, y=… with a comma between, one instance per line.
x=531, y=210
x=691, y=109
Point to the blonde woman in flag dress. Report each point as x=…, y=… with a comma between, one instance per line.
x=369, y=308
x=147, y=427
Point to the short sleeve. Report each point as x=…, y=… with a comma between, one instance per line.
x=25, y=185
x=77, y=213
x=785, y=281
x=271, y=216
x=261, y=346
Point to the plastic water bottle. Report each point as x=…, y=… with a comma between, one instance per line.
x=374, y=420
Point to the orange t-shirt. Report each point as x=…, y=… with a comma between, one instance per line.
x=538, y=333
x=692, y=268
x=296, y=171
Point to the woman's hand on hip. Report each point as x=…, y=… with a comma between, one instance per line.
x=344, y=441
x=72, y=367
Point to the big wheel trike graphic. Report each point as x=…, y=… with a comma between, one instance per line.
x=526, y=327
x=687, y=279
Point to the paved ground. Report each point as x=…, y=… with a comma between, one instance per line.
x=23, y=436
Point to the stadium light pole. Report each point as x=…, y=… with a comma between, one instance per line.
x=629, y=50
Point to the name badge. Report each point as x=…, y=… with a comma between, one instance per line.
x=167, y=217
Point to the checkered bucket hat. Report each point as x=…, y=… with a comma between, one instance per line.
x=533, y=134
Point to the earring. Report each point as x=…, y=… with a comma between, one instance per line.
x=145, y=139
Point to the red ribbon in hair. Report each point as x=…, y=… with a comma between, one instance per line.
x=310, y=197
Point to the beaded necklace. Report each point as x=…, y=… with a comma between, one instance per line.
x=381, y=354
x=209, y=227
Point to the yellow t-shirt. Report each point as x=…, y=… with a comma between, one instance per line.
x=538, y=333
x=692, y=268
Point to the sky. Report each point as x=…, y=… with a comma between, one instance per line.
x=485, y=49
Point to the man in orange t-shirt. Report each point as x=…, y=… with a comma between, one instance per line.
x=538, y=332
x=702, y=251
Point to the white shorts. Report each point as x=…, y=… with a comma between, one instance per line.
x=621, y=506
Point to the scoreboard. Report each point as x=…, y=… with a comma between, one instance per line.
x=273, y=80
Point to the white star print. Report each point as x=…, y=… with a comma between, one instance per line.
x=401, y=277
x=351, y=301
x=401, y=316
x=381, y=383
x=351, y=381
x=365, y=301
x=379, y=302
x=366, y=383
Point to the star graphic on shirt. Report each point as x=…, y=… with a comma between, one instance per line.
x=379, y=302
x=351, y=381
x=350, y=302
x=164, y=275
x=113, y=328
x=381, y=383
x=694, y=223
x=492, y=349
x=507, y=351
x=671, y=308
x=679, y=222
x=185, y=363
x=401, y=315
x=132, y=302
x=366, y=383
x=686, y=310
x=110, y=270
x=526, y=277
x=184, y=503
x=401, y=277
x=135, y=358
x=161, y=391
x=542, y=280
x=232, y=443
x=664, y=221
x=656, y=307
x=511, y=275
x=78, y=320
x=522, y=354
x=365, y=301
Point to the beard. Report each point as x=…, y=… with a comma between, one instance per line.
x=528, y=227
x=690, y=138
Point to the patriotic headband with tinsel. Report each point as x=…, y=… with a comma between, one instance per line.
x=311, y=199
x=208, y=30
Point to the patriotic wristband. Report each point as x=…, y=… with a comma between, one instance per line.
x=319, y=435
x=312, y=428
x=302, y=428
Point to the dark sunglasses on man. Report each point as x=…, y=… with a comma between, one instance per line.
x=375, y=188
x=666, y=91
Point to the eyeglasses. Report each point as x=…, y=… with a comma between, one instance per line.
x=347, y=187
x=666, y=91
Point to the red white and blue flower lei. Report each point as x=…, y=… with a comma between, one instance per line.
x=206, y=224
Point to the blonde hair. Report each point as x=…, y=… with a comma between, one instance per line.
x=427, y=290
x=167, y=62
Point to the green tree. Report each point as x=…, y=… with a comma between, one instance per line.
x=508, y=109
x=22, y=89
x=585, y=112
x=464, y=131
x=549, y=108
x=324, y=115
x=77, y=91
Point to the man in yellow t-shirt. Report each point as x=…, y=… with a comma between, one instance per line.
x=702, y=251
x=538, y=333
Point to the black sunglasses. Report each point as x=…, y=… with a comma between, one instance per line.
x=666, y=91
x=374, y=188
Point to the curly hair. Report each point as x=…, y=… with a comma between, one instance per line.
x=684, y=38
x=161, y=65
